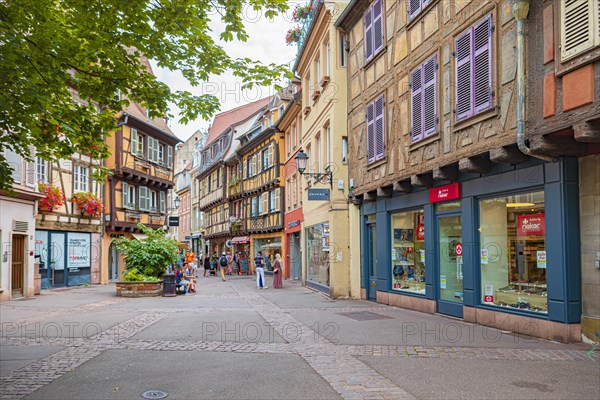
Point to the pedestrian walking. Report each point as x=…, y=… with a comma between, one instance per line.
x=214, y=262
x=207, y=265
x=278, y=272
x=260, y=270
x=223, y=265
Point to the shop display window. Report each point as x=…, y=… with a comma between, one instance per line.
x=317, y=254
x=269, y=247
x=513, y=252
x=408, y=251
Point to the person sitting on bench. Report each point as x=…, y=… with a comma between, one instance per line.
x=180, y=281
x=188, y=274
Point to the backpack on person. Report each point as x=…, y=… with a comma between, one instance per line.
x=223, y=261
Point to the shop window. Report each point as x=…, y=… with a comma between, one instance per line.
x=513, y=252
x=317, y=254
x=408, y=251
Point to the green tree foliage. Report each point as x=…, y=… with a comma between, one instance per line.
x=49, y=48
x=149, y=256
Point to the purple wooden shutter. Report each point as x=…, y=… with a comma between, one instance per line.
x=482, y=65
x=463, y=75
x=417, y=103
x=377, y=27
x=430, y=97
x=368, y=34
x=371, y=132
x=379, y=127
x=414, y=6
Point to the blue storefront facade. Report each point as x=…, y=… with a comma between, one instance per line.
x=500, y=249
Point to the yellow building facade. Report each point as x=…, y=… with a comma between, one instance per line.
x=321, y=65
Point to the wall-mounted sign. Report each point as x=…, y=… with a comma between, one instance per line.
x=318, y=194
x=532, y=224
x=293, y=224
x=173, y=221
x=444, y=193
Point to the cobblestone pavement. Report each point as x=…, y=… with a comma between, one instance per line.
x=339, y=364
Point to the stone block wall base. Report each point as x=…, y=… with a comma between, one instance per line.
x=522, y=325
x=139, y=289
x=363, y=294
x=590, y=329
x=408, y=302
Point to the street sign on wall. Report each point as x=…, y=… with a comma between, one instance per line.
x=173, y=221
x=318, y=194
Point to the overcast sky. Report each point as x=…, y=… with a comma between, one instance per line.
x=266, y=43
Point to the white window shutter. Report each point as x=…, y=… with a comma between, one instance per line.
x=15, y=162
x=169, y=157
x=124, y=195
x=162, y=202
x=277, y=198
x=30, y=169
x=134, y=142
x=578, y=29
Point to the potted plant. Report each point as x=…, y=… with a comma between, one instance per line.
x=293, y=36
x=53, y=198
x=146, y=261
x=88, y=204
x=302, y=13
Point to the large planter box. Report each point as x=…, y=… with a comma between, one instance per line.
x=139, y=289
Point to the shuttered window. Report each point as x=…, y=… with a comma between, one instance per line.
x=580, y=26
x=416, y=6
x=376, y=129
x=15, y=163
x=124, y=195
x=473, y=73
x=144, y=198
x=373, y=22
x=424, y=100
x=169, y=157
x=162, y=202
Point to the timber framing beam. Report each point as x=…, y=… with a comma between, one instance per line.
x=370, y=196
x=425, y=180
x=446, y=173
x=384, y=192
x=557, y=146
x=507, y=155
x=402, y=186
x=479, y=165
x=587, y=131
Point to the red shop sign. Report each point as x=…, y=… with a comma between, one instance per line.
x=532, y=224
x=444, y=193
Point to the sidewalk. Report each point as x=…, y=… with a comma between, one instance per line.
x=231, y=340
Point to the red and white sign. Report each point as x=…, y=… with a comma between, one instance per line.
x=531, y=225
x=488, y=299
x=444, y=193
x=458, y=249
x=420, y=232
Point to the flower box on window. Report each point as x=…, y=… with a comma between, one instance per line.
x=88, y=204
x=53, y=198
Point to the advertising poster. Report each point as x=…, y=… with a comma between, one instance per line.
x=541, y=259
x=443, y=281
x=79, y=247
x=484, y=256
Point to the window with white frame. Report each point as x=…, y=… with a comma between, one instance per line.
x=342, y=50
x=81, y=178
x=275, y=199
x=249, y=167
x=153, y=201
x=344, y=149
x=318, y=70
x=579, y=27
x=318, y=163
x=473, y=72
x=376, y=129
x=128, y=196
x=265, y=159
x=41, y=170
x=328, y=58
x=327, y=143
x=373, y=24
x=163, y=202
x=253, y=206
x=137, y=143
x=416, y=6
x=423, y=84
x=169, y=157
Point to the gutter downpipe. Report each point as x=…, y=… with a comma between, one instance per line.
x=520, y=10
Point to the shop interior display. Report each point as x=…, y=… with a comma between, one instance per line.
x=408, y=258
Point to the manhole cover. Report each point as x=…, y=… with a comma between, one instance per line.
x=154, y=394
x=363, y=316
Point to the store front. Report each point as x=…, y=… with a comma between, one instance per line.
x=241, y=247
x=65, y=258
x=269, y=247
x=293, y=228
x=197, y=244
x=317, y=256
x=500, y=243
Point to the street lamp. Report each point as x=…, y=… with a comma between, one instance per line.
x=301, y=160
x=177, y=202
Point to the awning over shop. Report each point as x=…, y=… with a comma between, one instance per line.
x=139, y=236
x=182, y=245
x=196, y=236
x=240, y=240
x=271, y=246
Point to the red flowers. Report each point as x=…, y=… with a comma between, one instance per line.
x=302, y=12
x=88, y=203
x=293, y=36
x=54, y=197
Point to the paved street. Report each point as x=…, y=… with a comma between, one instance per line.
x=232, y=341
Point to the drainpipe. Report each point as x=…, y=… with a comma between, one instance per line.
x=520, y=11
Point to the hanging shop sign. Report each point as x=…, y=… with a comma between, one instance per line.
x=173, y=221
x=293, y=224
x=318, y=194
x=531, y=225
x=444, y=193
